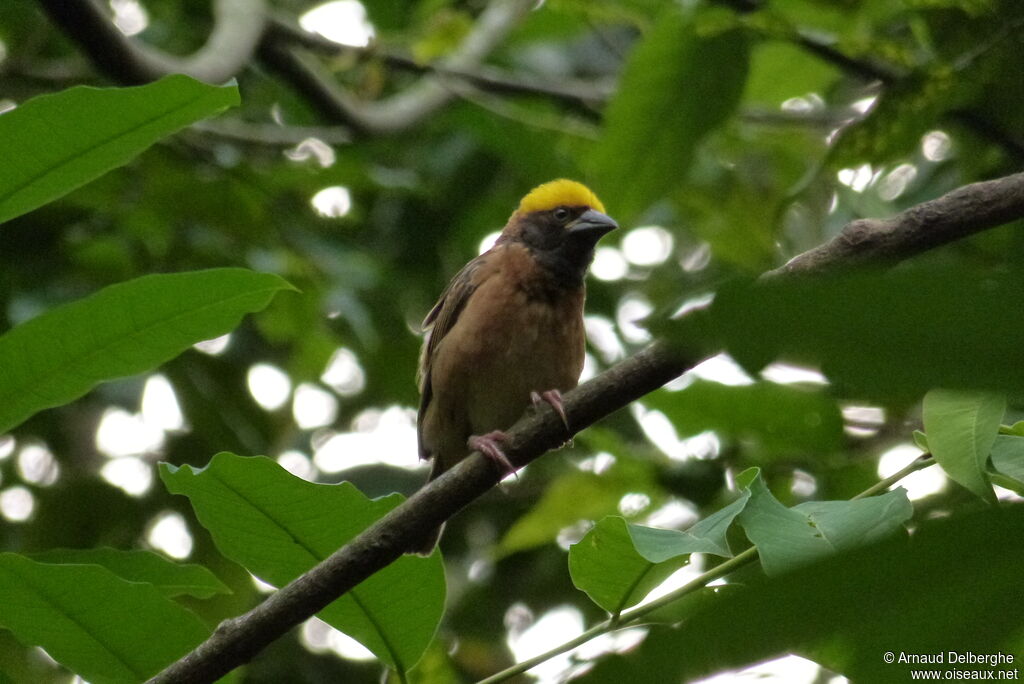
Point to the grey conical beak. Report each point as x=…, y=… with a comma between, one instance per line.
x=593, y=224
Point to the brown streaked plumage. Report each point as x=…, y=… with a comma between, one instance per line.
x=508, y=329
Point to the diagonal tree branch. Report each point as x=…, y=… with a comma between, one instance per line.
x=956, y=215
x=238, y=28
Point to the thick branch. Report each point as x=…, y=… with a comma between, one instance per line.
x=963, y=212
x=959, y=214
x=238, y=27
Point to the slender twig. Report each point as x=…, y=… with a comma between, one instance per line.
x=574, y=92
x=863, y=68
x=269, y=134
x=888, y=75
x=539, y=120
x=238, y=28
x=408, y=107
x=631, y=617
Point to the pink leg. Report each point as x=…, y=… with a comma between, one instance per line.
x=489, y=446
x=553, y=397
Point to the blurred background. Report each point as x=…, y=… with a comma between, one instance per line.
x=382, y=144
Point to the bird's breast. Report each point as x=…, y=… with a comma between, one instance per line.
x=515, y=336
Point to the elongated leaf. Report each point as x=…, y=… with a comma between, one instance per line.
x=170, y=578
x=847, y=612
x=94, y=623
x=790, y=537
x=278, y=526
x=617, y=563
x=961, y=428
x=678, y=85
x=779, y=417
x=121, y=330
x=55, y=143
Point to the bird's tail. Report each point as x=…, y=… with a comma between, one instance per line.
x=425, y=545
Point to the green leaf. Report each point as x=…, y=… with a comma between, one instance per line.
x=944, y=326
x=679, y=84
x=93, y=622
x=574, y=496
x=804, y=73
x=790, y=537
x=961, y=428
x=56, y=143
x=617, y=563
x=1008, y=456
x=279, y=526
x=170, y=578
x=782, y=418
x=921, y=440
x=121, y=330
x=847, y=611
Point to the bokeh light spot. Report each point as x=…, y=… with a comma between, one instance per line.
x=169, y=533
x=344, y=375
x=160, y=404
x=342, y=21
x=332, y=202
x=17, y=504
x=269, y=385
x=36, y=465
x=313, y=406
x=130, y=474
x=647, y=246
x=609, y=264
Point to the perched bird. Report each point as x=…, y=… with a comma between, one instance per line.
x=508, y=329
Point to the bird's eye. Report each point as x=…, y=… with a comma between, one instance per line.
x=561, y=214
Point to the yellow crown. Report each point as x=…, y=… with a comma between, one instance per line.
x=559, y=193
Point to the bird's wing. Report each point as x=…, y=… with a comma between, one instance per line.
x=437, y=324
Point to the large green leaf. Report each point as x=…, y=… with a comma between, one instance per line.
x=943, y=589
x=56, y=143
x=279, y=526
x=961, y=429
x=780, y=417
x=682, y=80
x=93, y=622
x=121, y=330
x=790, y=537
x=170, y=578
x=617, y=563
x=889, y=336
